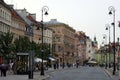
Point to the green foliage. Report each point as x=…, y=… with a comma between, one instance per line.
x=6, y=45
x=46, y=51
x=37, y=50
x=8, y=49
x=22, y=44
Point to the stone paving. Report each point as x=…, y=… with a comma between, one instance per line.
x=109, y=71
x=37, y=75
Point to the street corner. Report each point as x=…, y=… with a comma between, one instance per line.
x=108, y=73
x=113, y=77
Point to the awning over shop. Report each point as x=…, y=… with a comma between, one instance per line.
x=52, y=59
x=92, y=62
x=39, y=60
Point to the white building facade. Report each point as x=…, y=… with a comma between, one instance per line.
x=5, y=17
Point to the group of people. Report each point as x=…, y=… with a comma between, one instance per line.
x=4, y=67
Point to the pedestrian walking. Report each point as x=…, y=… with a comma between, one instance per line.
x=54, y=65
x=3, y=69
x=11, y=67
x=77, y=63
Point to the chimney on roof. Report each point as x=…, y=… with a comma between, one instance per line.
x=33, y=16
x=54, y=20
x=22, y=12
x=11, y=6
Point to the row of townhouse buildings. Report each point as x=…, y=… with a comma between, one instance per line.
x=67, y=45
x=22, y=23
x=86, y=49
x=106, y=53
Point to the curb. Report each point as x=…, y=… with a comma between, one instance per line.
x=108, y=73
x=113, y=77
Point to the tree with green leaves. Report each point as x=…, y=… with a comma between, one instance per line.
x=6, y=45
x=8, y=48
x=22, y=44
x=46, y=52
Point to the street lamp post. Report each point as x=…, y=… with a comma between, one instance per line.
x=44, y=9
x=112, y=12
x=105, y=37
x=118, y=61
x=101, y=57
x=108, y=28
x=31, y=34
x=102, y=54
x=106, y=57
x=63, y=64
x=49, y=53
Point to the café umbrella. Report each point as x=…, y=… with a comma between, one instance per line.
x=92, y=62
x=39, y=60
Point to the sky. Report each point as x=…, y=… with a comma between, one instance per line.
x=89, y=16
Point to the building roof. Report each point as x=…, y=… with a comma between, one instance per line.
x=53, y=22
x=23, y=14
x=4, y=4
x=31, y=19
x=15, y=15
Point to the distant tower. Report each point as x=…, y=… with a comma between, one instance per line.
x=94, y=38
x=95, y=42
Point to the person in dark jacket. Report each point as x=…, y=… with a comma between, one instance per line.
x=3, y=69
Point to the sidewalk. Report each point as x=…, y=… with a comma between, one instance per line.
x=36, y=76
x=109, y=71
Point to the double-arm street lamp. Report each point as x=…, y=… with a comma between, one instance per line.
x=112, y=12
x=44, y=11
x=108, y=28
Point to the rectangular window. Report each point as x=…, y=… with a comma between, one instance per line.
x=58, y=39
x=59, y=48
x=53, y=49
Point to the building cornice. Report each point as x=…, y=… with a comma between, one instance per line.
x=5, y=5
